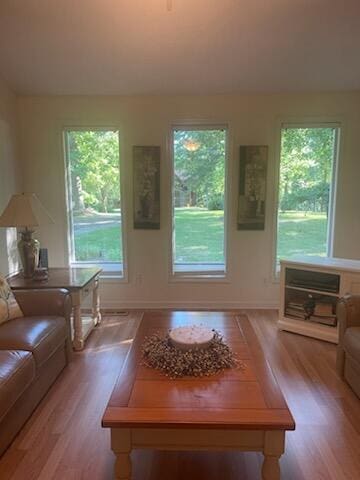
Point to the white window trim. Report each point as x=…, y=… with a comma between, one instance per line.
x=120, y=274
x=206, y=275
x=336, y=123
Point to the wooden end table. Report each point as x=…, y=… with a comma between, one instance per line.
x=238, y=409
x=80, y=282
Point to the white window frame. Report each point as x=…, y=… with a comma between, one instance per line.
x=333, y=186
x=197, y=273
x=111, y=270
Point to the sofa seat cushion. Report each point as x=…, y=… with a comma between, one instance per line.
x=17, y=371
x=40, y=335
x=352, y=342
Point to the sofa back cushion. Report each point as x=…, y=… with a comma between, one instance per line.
x=41, y=336
x=9, y=308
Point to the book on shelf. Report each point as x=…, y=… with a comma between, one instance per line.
x=295, y=310
x=294, y=313
x=331, y=321
x=313, y=311
x=300, y=316
x=323, y=309
x=298, y=309
x=296, y=306
x=323, y=320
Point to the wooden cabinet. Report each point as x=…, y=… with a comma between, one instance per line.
x=310, y=288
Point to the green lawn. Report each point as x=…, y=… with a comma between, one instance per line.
x=301, y=234
x=199, y=237
x=104, y=244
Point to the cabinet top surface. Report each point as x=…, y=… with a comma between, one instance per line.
x=239, y=398
x=324, y=262
x=58, y=278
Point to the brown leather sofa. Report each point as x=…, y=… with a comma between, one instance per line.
x=348, y=353
x=33, y=351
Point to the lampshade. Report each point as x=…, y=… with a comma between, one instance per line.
x=24, y=210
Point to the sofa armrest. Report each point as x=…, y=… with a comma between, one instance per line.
x=348, y=312
x=44, y=302
x=348, y=315
x=47, y=302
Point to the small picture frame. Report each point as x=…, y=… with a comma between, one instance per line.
x=146, y=186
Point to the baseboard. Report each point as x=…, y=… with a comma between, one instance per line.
x=177, y=305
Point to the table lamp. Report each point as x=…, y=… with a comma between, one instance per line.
x=26, y=211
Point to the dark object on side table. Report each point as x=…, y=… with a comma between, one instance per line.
x=41, y=275
x=43, y=258
x=34, y=349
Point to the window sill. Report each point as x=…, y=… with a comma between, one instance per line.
x=190, y=272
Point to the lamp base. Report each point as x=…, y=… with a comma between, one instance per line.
x=29, y=253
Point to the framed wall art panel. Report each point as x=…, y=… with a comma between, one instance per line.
x=146, y=187
x=252, y=187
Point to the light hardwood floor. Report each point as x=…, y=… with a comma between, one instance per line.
x=63, y=440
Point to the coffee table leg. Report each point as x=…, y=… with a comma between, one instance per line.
x=273, y=449
x=121, y=446
x=123, y=466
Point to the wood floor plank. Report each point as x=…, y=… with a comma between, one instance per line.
x=64, y=440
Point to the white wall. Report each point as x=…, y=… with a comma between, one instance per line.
x=252, y=119
x=9, y=175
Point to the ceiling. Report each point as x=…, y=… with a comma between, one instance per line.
x=128, y=47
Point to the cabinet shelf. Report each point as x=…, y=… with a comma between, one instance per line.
x=311, y=290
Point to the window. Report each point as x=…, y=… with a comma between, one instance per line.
x=307, y=166
x=94, y=200
x=198, y=237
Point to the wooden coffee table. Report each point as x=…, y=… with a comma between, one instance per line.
x=238, y=409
